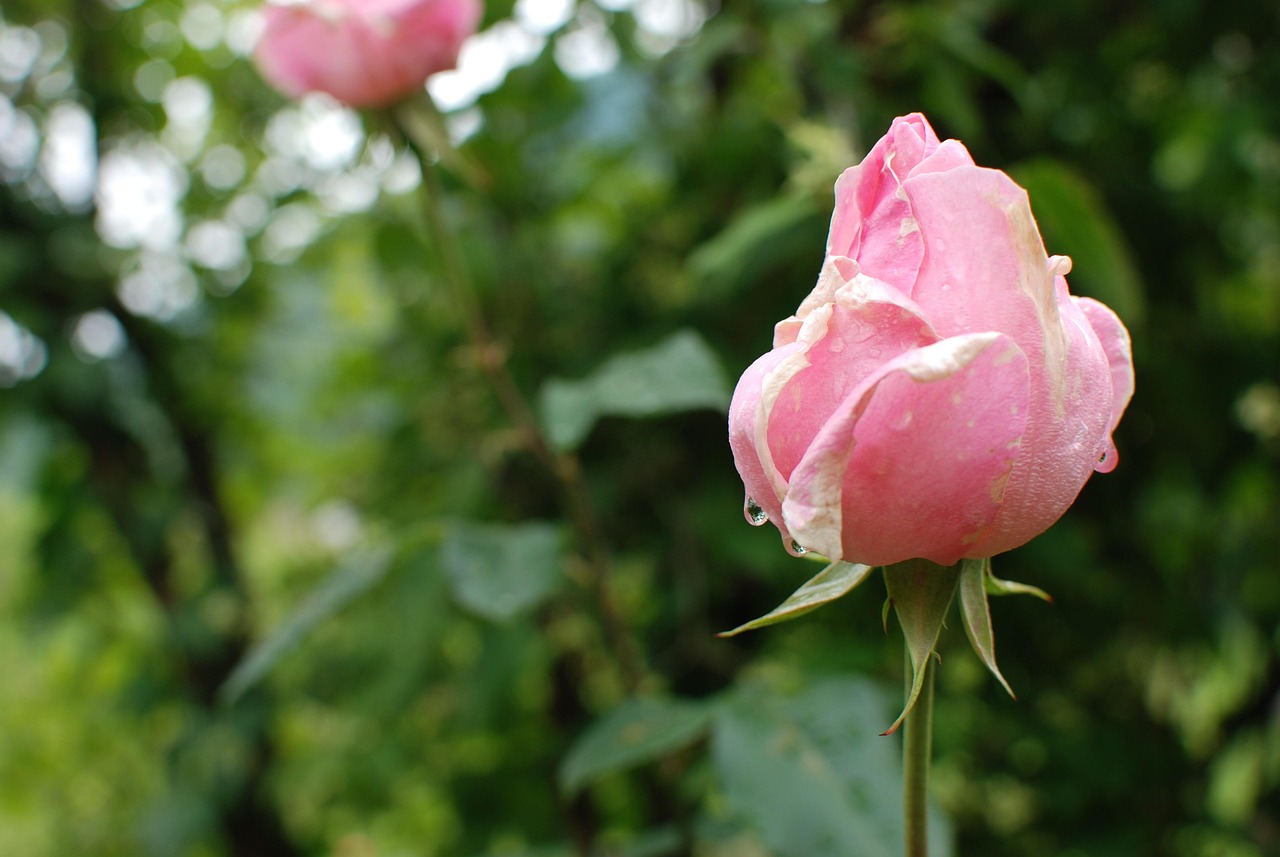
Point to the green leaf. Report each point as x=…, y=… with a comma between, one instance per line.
x=681, y=373
x=921, y=592
x=499, y=571
x=996, y=586
x=1075, y=222
x=664, y=841
x=957, y=35
x=660, y=842
x=638, y=731
x=360, y=573
x=835, y=581
x=977, y=614
x=533, y=851
x=810, y=774
x=757, y=241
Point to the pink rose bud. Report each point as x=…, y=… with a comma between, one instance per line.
x=365, y=53
x=940, y=394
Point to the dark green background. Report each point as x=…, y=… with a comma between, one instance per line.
x=164, y=509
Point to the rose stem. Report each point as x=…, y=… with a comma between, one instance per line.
x=564, y=466
x=916, y=750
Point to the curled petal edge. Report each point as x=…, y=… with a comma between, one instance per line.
x=971, y=393
x=1119, y=350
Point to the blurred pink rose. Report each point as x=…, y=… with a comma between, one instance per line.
x=366, y=53
x=939, y=394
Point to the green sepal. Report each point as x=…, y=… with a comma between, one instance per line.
x=921, y=592
x=835, y=581
x=976, y=614
x=421, y=122
x=996, y=586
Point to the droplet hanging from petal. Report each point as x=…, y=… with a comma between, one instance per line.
x=1108, y=460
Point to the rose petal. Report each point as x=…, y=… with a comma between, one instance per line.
x=913, y=464
x=924, y=234
x=866, y=324
x=1065, y=439
x=836, y=271
x=436, y=29
x=872, y=221
x=746, y=417
x=1114, y=338
x=364, y=54
x=949, y=155
x=985, y=266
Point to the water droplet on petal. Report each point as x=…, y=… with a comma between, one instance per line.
x=1108, y=460
x=756, y=516
x=797, y=549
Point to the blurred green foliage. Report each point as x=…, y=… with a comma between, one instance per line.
x=280, y=575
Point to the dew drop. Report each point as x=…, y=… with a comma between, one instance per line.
x=756, y=516
x=1108, y=460
x=798, y=549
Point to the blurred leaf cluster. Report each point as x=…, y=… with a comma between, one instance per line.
x=281, y=575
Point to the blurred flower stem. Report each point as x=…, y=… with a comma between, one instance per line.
x=916, y=751
x=421, y=127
